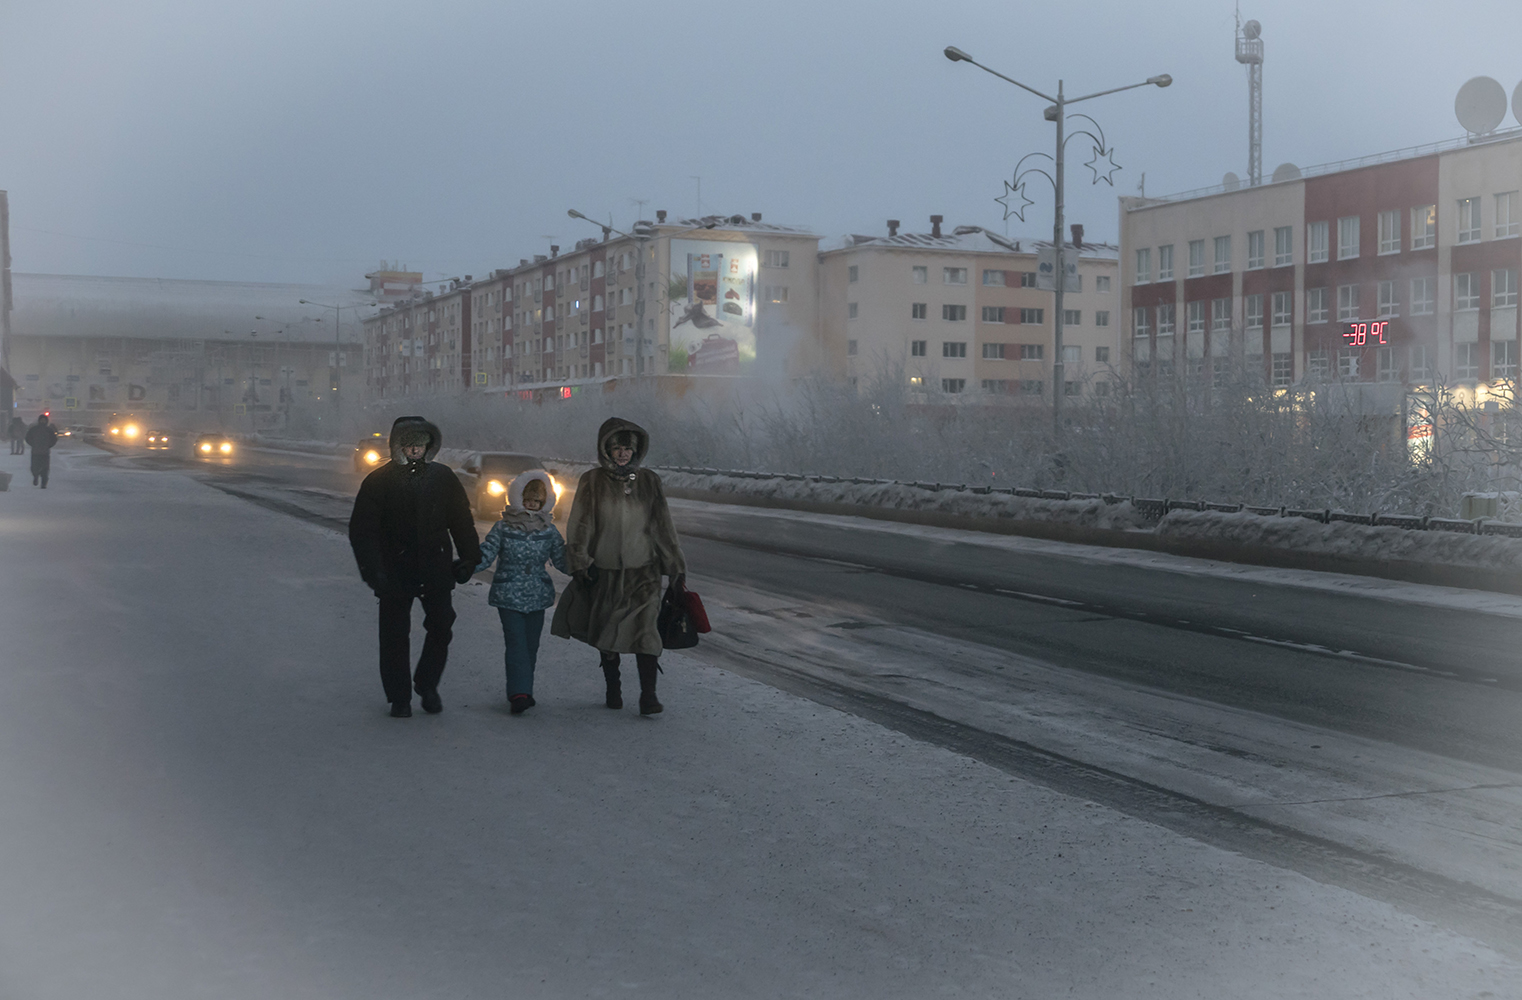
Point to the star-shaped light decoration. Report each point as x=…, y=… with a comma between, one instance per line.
x=1018, y=211
x=1103, y=169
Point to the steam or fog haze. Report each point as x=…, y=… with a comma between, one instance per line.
x=298, y=141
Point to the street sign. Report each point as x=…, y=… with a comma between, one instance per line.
x=71, y=402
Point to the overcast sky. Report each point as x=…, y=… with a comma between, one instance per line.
x=305, y=140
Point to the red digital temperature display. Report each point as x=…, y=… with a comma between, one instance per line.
x=1363, y=334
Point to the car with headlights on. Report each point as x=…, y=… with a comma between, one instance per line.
x=214, y=446
x=156, y=441
x=371, y=453
x=124, y=430
x=486, y=476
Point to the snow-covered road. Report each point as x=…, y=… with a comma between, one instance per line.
x=201, y=795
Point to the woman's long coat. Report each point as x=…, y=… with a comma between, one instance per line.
x=620, y=535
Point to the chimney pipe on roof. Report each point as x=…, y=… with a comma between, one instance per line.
x=607, y=231
x=755, y=216
x=660, y=215
x=935, y=224
x=892, y=227
x=523, y=262
x=554, y=250
x=469, y=278
x=1078, y=235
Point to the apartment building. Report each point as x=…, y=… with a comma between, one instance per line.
x=1399, y=268
x=709, y=296
x=960, y=314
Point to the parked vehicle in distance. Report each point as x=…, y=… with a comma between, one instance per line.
x=214, y=446
x=89, y=432
x=371, y=452
x=123, y=430
x=156, y=441
x=486, y=476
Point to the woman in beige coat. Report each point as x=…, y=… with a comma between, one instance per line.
x=619, y=543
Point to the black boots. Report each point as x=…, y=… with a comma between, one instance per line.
x=401, y=710
x=648, y=667
x=432, y=703
x=615, y=697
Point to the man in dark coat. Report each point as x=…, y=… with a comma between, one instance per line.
x=17, y=433
x=411, y=514
x=41, y=437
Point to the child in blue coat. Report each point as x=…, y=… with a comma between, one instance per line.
x=521, y=543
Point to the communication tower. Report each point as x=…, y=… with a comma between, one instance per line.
x=1250, y=54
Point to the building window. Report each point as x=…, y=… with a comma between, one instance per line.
x=851, y=348
x=1220, y=315
x=996, y=386
x=921, y=274
x=1165, y=263
x=1347, y=237
x=1102, y=355
x=1072, y=388
x=916, y=381
x=953, y=275
x=1283, y=304
x=1255, y=249
x=1506, y=214
x=1466, y=291
x=1423, y=227
x=993, y=352
x=953, y=348
x=1166, y=316
x=1503, y=288
x=953, y=384
x=1347, y=362
x=1503, y=359
x=1033, y=316
x=1027, y=279
x=1196, y=258
x=993, y=278
x=916, y=348
x=1318, y=365
x=776, y=293
x=1033, y=386
x=850, y=310
x=1101, y=317
x=993, y=314
x=1101, y=283
x=1284, y=246
x=1385, y=369
x=1072, y=317
x=1101, y=388
x=954, y=314
x=1388, y=306
x=1222, y=254
x=1143, y=265
x=1423, y=296
x=1139, y=325
x=1389, y=231
x=1032, y=352
x=919, y=310
x=1466, y=361
x=1283, y=369
x=1347, y=303
x=1195, y=314
x=1420, y=367
x=1469, y=220
x=852, y=274
x=1254, y=309
x=1316, y=243
x=771, y=258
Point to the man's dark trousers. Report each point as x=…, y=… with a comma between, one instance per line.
x=42, y=461
x=395, y=649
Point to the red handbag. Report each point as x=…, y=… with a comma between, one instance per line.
x=696, y=610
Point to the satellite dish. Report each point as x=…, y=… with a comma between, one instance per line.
x=1481, y=105
x=1231, y=181
x=1516, y=104
x=1252, y=29
x=1286, y=172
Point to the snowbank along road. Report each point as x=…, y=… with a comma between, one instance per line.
x=1247, y=782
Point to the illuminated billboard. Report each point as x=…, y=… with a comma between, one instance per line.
x=711, y=296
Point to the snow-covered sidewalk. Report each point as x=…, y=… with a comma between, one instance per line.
x=204, y=797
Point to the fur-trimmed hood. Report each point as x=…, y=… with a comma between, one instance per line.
x=404, y=424
x=519, y=518
x=613, y=427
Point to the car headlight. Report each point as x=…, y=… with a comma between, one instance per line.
x=116, y=430
x=495, y=488
x=226, y=448
x=130, y=430
x=372, y=456
x=558, y=488
x=206, y=448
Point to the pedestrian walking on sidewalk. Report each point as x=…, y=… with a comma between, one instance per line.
x=619, y=542
x=17, y=433
x=41, y=437
x=410, y=517
x=520, y=544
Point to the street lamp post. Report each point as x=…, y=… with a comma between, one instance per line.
x=1057, y=114
x=337, y=350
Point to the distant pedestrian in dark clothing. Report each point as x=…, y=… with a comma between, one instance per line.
x=520, y=544
x=410, y=517
x=41, y=437
x=17, y=433
x=619, y=542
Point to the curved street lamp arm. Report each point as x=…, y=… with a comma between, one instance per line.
x=1112, y=90
x=1017, y=83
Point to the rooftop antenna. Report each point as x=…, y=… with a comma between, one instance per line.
x=639, y=203
x=1480, y=105
x=1250, y=54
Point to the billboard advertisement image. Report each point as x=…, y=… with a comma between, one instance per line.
x=712, y=301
